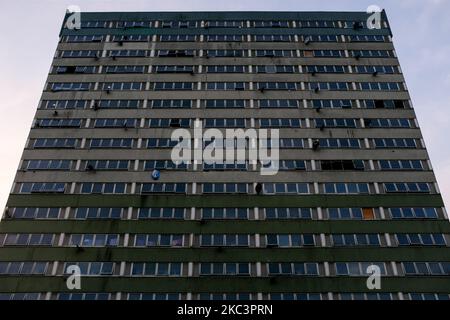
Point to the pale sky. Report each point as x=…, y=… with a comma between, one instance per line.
x=30, y=30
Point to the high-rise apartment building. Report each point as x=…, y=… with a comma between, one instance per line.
x=355, y=192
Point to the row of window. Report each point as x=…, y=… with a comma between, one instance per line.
x=224, y=38
x=229, y=23
x=283, y=143
x=231, y=53
x=193, y=86
x=131, y=69
x=177, y=269
x=230, y=296
x=321, y=123
x=225, y=103
x=84, y=213
x=233, y=240
x=231, y=188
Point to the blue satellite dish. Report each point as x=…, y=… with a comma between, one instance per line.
x=156, y=174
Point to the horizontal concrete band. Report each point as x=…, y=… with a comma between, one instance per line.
x=223, y=284
x=357, y=253
x=220, y=201
x=224, y=226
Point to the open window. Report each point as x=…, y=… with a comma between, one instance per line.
x=368, y=214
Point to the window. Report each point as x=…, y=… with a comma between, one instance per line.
x=64, y=104
x=225, y=53
x=422, y=239
x=127, y=53
x=326, y=69
x=35, y=213
x=159, y=104
x=54, y=143
x=426, y=268
x=275, y=53
x=332, y=86
x=209, y=104
x=288, y=213
x=293, y=269
x=175, y=53
x=276, y=86
x=289, y=240
x=168, y=123
x=319, y=104
x=339, y=165
x=162, y=143
x=357, y=268
x=219, y=269
x=291, y=165
x=335, y=123
x=163, y=188
x=173, y=69
x=224, y=38
x=229, y=240
x=118, y=104
x=226, y=69
x=410, y=187
x=339, y=143
x=225, y=213
x=375, y=69
x=79, y=54
x=177, y=38
x=276, y=69
x=372, y=53
x=70, y=86
x=75, y=69
x=23, y=268
x=161, y=213
x=58, y=123
x=359, y=239
x=111, y=143
x=286, y=188
x=324, y=53
x=158, y=240
x=160, y=269
x=235, y=165
x=385, y=104
x=400, y=165
x=41, y=187
x=123, y=86
x=389, y=123
x=124, y=69
x=130, y=38
x=224, y=123
x=163, y=165
x=395, y=143
x=94, y=240
x=225, y=188
x=349, y=188
x=48, y=164
x=160, y=86
x=92, y=268
x=98, y=213
x=273, y=38
x=107, y=165
x=225, y=86
x=413, y=213
x=115, y=123
x=103, y=188
x=27, y=239
x=345, y=213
